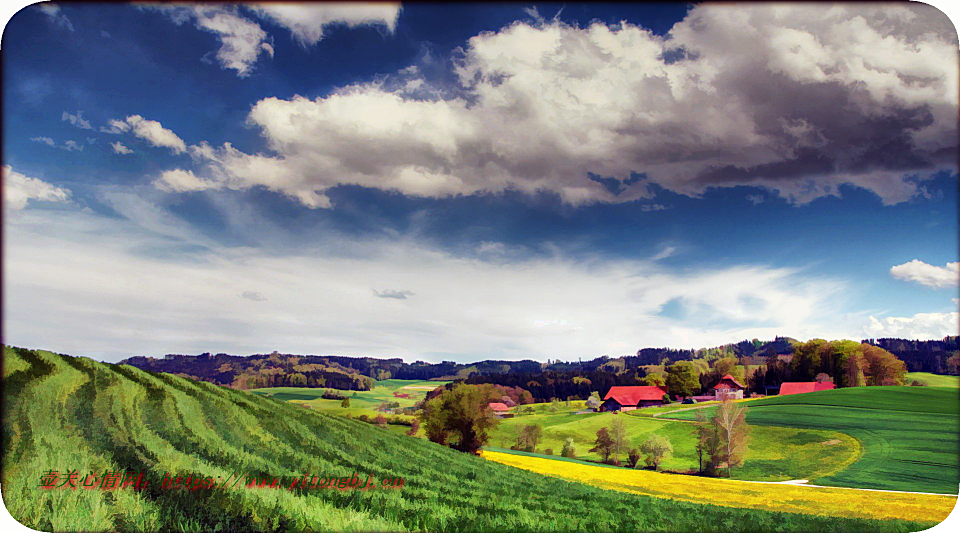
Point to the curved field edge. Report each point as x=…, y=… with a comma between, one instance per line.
x=755, y=495
x=64, y=413
x=910, y=436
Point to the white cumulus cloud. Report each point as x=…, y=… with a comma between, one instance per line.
x=179, y=180
x=921, y=326
x=151, y=131
x=19, y=190
x=769, y=95
x=307, y=21
x=933, y=276
x=243, y=40
x=116, y=127
x=119, y=148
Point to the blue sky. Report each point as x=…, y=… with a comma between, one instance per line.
x=482, y=181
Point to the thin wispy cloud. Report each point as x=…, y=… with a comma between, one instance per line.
x=392, y=294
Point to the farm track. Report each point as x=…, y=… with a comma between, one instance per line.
x=63, y=413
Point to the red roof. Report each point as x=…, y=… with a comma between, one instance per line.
x=497, y=406
x=802, y=387
x=727, y=382
x=633, y=395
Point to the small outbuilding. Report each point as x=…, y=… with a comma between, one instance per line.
x=728, y=389
x=501, y=409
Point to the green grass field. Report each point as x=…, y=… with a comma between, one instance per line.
x=63, y=413
x=910, y=435
x=933, y=380
x=777, y=453
x=361, y=402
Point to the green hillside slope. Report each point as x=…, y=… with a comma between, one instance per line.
x=63, y=413
x=776, y=453
x=933, y=380
x=910, y=435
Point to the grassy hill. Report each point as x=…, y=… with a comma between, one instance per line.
x=777, y=453
x=933, y=380
x=63, y=413
x=361, y=402
x=910, y=435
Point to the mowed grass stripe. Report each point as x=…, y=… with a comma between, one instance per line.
x=92, y=416
x=765, y=496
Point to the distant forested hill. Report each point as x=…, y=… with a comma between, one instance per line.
x=256, y=371
x=360, y=373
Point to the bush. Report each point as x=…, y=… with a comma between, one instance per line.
x=633, y=457
x=548, y=451
x=569, y=449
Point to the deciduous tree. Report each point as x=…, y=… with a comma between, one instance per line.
x=619, y=436
x=734, y=434
x=461, y=415
x=656, y=380
x=604, y=444
x=683, y=379
x=655, y=449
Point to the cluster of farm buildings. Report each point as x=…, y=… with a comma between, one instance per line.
x=628, y=398
x=635, y=397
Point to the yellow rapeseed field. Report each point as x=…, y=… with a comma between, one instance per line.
x=854, y=503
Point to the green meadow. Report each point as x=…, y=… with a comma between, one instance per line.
x=776, y=453
x=64, y=413
x=910, y=436
x=361, y=402
x=933, y=380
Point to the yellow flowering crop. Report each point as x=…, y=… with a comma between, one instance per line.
x=853, y=503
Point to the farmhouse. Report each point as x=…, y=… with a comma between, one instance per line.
x=630, y=398
x=728, y=388
x=800, y=387
x=500, y=409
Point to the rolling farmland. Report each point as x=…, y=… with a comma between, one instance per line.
x=910, y=435
x=74, y=414
x=361, y=402
x=777, y=453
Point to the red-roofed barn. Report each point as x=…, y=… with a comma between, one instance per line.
x=801, y=387
x=632, y=397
